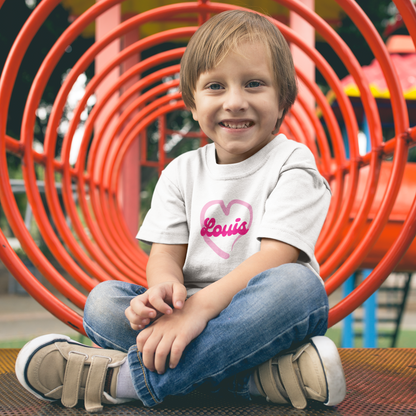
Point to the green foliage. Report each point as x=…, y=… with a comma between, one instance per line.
x=13, y=15
x=406, y=339
x=20, y=343
x=176, y=121
x=378, y=12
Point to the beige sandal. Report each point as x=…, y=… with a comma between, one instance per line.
x=312, y=371
x=54, y=367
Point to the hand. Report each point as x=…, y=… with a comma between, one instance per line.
x=154, y=303
x=170, y=335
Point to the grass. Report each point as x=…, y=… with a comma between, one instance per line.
x=406, y=339
x=19, y=343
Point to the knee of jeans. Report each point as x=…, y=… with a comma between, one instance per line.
x=97, y=298
x=294, y=282
x=103, y=302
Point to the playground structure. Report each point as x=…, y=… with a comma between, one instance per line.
x=372, y=219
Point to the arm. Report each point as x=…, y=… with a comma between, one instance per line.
x=165, y=263
x=165, y=280
x=217, y=296
x=172, y=333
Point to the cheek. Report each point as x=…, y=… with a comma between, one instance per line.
x=205, y=116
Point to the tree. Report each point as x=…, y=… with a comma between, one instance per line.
x=13, y=15
x=379, y=12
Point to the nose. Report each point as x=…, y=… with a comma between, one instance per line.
x=235, y=100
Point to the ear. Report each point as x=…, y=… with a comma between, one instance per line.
x=279, y=116
x=194, y=114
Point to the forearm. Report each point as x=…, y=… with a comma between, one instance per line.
x=165, y=264
x=165, y=282
x=171, y=333
x=217, y=296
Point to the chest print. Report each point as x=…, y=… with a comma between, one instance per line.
x=222, y=226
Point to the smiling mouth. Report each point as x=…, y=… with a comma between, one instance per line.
x=239, y=125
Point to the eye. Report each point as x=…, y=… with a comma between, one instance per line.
x=214, y=86
x=254, y=84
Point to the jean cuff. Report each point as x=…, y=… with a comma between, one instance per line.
x=240, y=385
x=139, y=375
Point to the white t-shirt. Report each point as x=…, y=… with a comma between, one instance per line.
x=223, y=211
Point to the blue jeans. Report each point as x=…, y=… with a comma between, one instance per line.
x=278, y=309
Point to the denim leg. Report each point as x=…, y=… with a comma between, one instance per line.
x=278, y=308
x=104, y=320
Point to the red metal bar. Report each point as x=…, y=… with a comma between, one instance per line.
x=407, y=10
x=116, y=161
x=310, y=139
x=36, y=289
x=132, y=129
x=203, y=16
x=377, y=277
x=120, y=227
x=8, y=202
x=162, y=142
x=339, y=153
x=138, y=103
x=350, y=62
x=52, y=197
x=114, y=254
x=99, y=200
x=392, y=190
x=108, y=248
x=400, y=114
x=297, y=132
x=159, y=110
x=334, y=82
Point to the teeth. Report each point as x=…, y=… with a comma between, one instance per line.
x=236, y=126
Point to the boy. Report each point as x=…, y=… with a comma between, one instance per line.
x=235, y=301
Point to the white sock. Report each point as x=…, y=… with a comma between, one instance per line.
x=125, y=388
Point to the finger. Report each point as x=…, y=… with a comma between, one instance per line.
x=157, y=302
x=161, y=354
x=145, y=348
x=132, y=317
x=138, y=327
x=176, y=352
x=136, y=322
x=179, y=296
x=142, y=338
x=140, y=308
x=149, y=349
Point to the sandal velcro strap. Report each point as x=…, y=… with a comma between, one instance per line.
x=290, y=376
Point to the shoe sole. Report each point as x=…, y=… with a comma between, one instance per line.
x=27, y=352
x=331, y=361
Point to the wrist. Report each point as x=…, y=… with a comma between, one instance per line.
x=161, y=280
x=205, y=305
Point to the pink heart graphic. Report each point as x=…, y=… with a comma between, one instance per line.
x=226, y=210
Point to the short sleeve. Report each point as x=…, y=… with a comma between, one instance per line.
x=165, y=222
x=297, y=207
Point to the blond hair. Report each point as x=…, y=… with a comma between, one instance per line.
x=223, y=33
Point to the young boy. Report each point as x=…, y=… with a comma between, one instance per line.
x=235, y=301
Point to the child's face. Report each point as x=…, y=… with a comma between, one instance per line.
x=236, y=103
